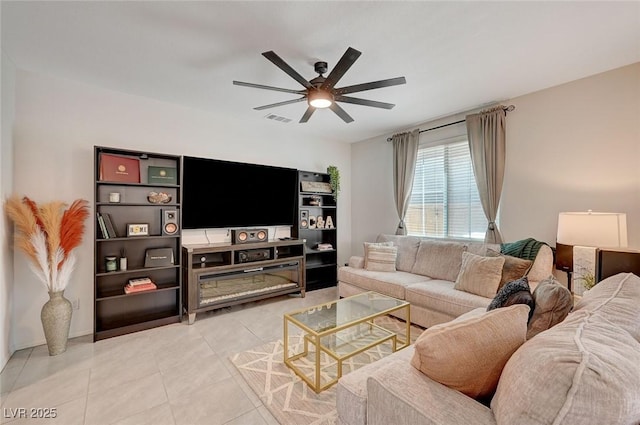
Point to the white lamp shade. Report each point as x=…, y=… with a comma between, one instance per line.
x=602, y=230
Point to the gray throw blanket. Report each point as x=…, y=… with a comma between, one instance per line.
x=525, y=248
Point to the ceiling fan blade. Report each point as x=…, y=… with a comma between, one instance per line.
x=310, y=110
x=341, y=67
x=277, y=61
x=341, y=112
x=261, y=86
x=286, y=102
x=364, y=102
x=370, y=86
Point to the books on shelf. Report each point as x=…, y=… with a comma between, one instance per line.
x=139, y=286
x=324, y=246
x=102, y=226
x=107, y=229
x=111, y=229
x=139, y=281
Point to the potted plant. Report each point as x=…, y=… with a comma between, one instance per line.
x=48, y=234
x=334, y=180
x=586, y=277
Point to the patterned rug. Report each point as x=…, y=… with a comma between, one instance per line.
x=288, y=397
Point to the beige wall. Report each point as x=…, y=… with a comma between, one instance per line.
x=574, y=147
x=6, y=187
x=569, y=148
x=57, y=124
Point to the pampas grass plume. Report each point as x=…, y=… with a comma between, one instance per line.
x=47, y=235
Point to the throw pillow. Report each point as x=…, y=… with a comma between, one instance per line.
x=514, y=268
x=380, y=257
x=514, y=292
x=439, y=259
x=469, y=354
x=479, y=275
x=553, y=304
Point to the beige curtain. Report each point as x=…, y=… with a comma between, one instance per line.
x=405, y=152
x=486, y=132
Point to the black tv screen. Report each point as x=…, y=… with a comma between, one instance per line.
x=218, y=194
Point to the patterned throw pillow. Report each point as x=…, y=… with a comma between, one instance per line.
x=514, y=292
x=380, y=257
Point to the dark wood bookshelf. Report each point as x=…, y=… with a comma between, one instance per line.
x=117, y=313
x=321, y=265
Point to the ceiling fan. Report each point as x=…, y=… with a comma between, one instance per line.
x=320, y=92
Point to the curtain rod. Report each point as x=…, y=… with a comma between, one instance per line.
x=506, y=108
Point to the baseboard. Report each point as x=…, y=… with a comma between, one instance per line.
x=43, y=341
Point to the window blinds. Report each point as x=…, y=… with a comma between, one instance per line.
x=444, y=200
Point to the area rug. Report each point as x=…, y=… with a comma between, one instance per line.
x=288, y=397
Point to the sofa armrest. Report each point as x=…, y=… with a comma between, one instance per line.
x=356, y=262
x=399, y=394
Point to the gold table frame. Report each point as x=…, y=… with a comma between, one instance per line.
x=315, y=336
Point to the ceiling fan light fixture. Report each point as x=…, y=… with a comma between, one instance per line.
x=320, y=99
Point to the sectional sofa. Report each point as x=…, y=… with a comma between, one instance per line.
x=425, y=274
x=583, y=370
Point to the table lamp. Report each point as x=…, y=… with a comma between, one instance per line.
x=592, y=229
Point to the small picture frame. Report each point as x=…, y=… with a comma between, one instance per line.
x=138, y=229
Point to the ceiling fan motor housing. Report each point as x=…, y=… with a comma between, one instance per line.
x=321, y=67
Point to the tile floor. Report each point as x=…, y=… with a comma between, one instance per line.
x=176, y=374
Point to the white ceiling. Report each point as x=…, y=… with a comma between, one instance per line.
x=454, y=55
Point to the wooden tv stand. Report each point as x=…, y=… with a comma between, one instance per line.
x=224, y=274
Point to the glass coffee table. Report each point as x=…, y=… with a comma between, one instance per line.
x=340, y=329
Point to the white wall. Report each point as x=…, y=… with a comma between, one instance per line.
x=57, y=124
x=569, y=148
x=6, y=186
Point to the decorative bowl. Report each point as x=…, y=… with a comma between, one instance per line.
x=159, y=197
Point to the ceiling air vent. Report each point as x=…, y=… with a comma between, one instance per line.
x=277, y=118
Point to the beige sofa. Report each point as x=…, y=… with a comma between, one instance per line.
x=581, y=371
x=425, y=273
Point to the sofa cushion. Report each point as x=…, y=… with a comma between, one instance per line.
x=439, y=295
x=582, y=371
x=439, y=259
x=479, y=275
x=380, y=257
x=553, y=304
x=514, y=292
x=616, y=298
x=351, y=391
x=481, y=248
x=468, y=354
x=514, y=268
x=391, y=284
x=398, y=394
x=407, y=250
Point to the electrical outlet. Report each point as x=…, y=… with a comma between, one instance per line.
x=76, y=304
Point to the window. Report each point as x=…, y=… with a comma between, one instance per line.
x=444, y=200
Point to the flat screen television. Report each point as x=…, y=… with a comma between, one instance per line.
x=219, y=194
